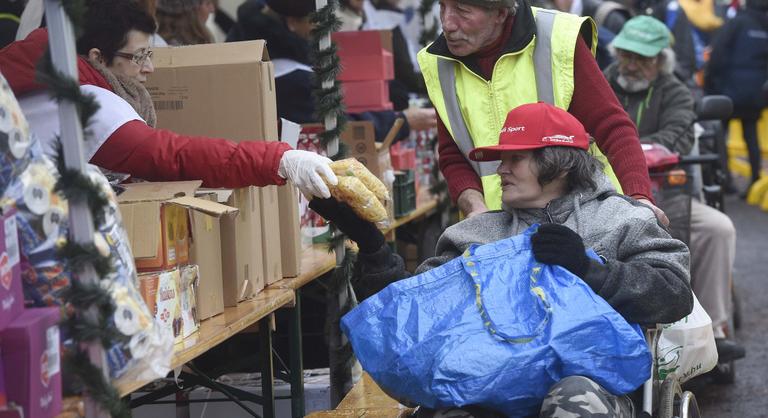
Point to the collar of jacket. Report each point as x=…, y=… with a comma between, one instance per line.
x=522, y=33
x=561, y=208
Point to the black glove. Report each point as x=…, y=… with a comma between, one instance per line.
x=368, y=238
x=557, y=244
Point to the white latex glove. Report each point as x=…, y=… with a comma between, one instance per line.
x=304, y=169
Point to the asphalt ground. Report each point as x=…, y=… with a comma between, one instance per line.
x=747, y=397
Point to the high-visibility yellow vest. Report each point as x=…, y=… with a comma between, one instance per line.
x=474, y=110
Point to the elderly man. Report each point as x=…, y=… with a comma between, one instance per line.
x=488, y=61
x=662, y=108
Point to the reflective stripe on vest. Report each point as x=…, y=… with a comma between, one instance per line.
x=545, y=92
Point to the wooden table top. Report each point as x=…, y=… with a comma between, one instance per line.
x=217, y=329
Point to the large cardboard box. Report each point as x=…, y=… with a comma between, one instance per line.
x=205, y=252
x=270, y=228
x=156, y=219
x=219, y=90
x=290, y=230
x=241, y=247
x=365, y=55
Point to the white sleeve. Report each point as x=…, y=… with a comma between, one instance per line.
x=113, y=113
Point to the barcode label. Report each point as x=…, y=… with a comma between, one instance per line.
x=53, y=341
x=169, y=105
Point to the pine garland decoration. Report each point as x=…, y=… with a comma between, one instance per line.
x=77, y=186
x=328, y=101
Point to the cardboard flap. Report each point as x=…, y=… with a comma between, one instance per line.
x=159, y=191
x=142, y=223
x=205, y=54
x=206, y=206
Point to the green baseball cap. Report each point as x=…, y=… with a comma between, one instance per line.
x=643, y=35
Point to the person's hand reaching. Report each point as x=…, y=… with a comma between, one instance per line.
x=368, y=238
x=421, y=119
x=306, y=170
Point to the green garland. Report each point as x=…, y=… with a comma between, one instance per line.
x=328, y=101
x=74, y=185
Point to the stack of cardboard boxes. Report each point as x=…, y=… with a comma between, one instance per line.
x=240, y=240
x=30, y=370
x=367, y=66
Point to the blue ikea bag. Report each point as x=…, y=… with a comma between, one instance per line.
x=494, y=328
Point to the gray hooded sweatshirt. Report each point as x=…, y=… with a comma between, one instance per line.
x=646, y=273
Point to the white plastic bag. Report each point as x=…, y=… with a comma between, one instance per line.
x=687, y=347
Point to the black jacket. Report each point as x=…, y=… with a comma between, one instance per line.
x=738, y=66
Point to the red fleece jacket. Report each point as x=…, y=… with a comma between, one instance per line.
x=594, y=104
x=154, y=154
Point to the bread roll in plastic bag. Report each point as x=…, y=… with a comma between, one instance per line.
x=27, y=179
x=353, y=167
x=363, y=202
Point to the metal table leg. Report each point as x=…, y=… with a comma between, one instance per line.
x=297, y=361
x=267, y=370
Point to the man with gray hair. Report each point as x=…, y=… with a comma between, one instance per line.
x=663, y=110
x=495, y=55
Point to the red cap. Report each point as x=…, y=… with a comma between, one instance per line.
x=535, y=125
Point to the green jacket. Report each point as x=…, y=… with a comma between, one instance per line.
x=664, y=113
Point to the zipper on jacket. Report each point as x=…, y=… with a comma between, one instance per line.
x=546, y=212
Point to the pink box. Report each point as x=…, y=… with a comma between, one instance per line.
x=366, y=96
x=365, y=55
x=31, y=358
x=11, y=294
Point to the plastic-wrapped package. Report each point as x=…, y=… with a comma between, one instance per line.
x=354, y=168
x=353, y=192
x=27, y=185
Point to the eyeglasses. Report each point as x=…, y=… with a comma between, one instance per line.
x=139, y=58
x=628, y=57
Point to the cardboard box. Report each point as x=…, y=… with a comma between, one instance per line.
x=241, y=247
x=205, y=252
x=270, y=228
x=366, y=96
x=30, y=346
x=361, y=142
x=365, y=55
x=290, y=230
x=11, y=294
x=156, y=218
x=219, y=90
x=161, y=292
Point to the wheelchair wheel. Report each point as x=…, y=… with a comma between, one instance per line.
x=674, y=403
x=670, y=397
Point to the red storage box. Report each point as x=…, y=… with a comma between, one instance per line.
x=365, y=55
x=366, y=96
x=403, y=158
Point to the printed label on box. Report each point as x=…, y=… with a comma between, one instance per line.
x=54, y=358
x=11, y=241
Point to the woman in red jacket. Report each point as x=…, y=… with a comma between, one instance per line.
x=114, y=59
